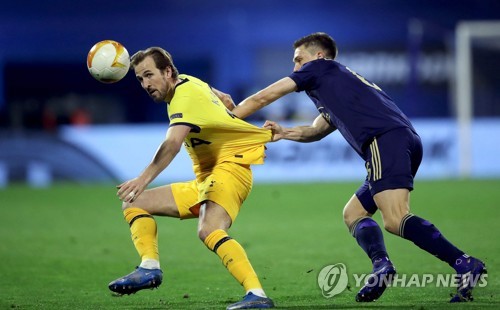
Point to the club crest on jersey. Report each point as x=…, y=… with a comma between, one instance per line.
x=325, y=114
x=175, y=115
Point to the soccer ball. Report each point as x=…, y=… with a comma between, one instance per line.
x=108, y=61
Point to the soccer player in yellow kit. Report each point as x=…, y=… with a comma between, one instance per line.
x=222, y=148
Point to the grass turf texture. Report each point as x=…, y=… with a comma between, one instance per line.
x=61, y=246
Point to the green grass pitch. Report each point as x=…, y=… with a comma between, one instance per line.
x=61, y=246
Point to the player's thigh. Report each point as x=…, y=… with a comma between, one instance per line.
x=157, y=201
x=393, y=203
x=212, y=217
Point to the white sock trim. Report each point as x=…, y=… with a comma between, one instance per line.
x=149, y=263
x=257, y=292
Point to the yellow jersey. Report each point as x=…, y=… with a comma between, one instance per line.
x=216, y=135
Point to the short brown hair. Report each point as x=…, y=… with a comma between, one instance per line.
x=321, y=40
x=161, y=57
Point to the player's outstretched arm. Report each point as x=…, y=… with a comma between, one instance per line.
x=128, y=191
x=264, y=97
x=314, y=132
x=225, y=98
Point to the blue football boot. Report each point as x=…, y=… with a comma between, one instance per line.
x=251, y=301
x=469, y=272
x=137, y=280
x=382, y=275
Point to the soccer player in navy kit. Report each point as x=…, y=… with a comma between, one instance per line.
x=384, y=137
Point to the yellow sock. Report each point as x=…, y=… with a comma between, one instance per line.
x=144, y=232
x=234, y=258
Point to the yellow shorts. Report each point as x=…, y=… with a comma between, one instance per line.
x=228, y=185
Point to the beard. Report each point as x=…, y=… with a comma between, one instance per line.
x=156, y=96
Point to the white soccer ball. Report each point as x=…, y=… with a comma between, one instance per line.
x=108, y=61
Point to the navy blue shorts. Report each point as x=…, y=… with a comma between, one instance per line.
x=392, y=160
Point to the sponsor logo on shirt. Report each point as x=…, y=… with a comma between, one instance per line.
x=175, y=115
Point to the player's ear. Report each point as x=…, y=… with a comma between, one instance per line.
x=320, y=55
x=168, y=72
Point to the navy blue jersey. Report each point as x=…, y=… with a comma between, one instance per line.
x=359, y=109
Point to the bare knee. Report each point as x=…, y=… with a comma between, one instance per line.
x=203, y=233
x=392, y=219
x=353, y=210
x=212, y=217
x=350, y=216
x=392, y=225
x=205, y=228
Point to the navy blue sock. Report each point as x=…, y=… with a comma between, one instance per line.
x=369, y=236
x=427, y=237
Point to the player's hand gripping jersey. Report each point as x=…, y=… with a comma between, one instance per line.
x=216, y=134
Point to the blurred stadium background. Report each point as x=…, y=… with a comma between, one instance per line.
x=58, y=124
